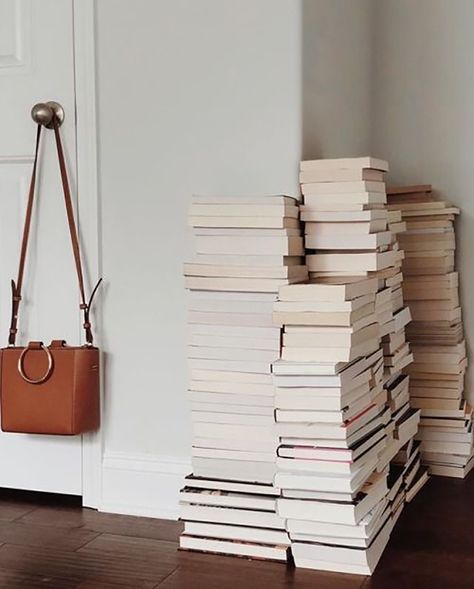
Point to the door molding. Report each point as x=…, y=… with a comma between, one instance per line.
x=88, y=212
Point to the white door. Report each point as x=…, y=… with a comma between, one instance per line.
x=36, y=65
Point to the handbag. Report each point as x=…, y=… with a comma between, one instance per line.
x=51, y=389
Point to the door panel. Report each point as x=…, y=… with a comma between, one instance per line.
x=36, y=64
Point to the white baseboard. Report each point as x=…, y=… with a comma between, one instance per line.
x=144, y=485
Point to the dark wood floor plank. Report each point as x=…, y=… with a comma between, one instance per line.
x=101, y=567
x=47, y=541
x=225, y=572
x=35, y=535
x=71, y=517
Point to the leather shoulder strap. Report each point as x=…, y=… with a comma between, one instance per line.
x=16, y=287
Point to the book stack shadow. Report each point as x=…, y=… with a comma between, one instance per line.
x=346, y=461
x=431, y=288
x=245, y=249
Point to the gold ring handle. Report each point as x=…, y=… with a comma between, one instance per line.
x=47, y=373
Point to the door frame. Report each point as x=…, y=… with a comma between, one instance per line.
x=88, y=212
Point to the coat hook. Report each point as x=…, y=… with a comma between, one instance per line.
x=43, y=112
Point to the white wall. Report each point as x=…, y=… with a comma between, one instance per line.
x=423, y=116
x=337, y=77
x=203, y=96
x=200, y=97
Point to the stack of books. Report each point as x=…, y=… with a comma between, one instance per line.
x=345, y=216
x=436, y=336
x=246, y=248
x=351, y=234
x=341, y=402
x=332, y=418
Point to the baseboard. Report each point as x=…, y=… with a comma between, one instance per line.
x=144, y=485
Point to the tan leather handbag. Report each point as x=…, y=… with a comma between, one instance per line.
x=50, y=389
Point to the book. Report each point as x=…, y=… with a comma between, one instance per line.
x=230, y=245
x=315, y=188
x=348, y=242
x=345, y=163
x=351, y=262
x=270, y=199
x=243, y=210
x=340, y=175
x=242, y=533
x=233, y=547
x=290, y=222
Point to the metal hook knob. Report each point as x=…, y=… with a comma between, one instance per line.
x=43, y=112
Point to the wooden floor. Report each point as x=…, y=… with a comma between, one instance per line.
x=46, y=541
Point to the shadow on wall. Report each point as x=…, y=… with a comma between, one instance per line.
x=336, y=78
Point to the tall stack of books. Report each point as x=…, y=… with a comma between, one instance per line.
x=436, y=336
x=332, y=417
x=338, y=426
x=349, y=235
x=246, y=248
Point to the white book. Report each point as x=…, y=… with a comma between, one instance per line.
x=231, y=376
x=266, y=444
x=341, y=175
x=345, y=371
x=227, y=499
x=328, y=292
x=375, y=442
x=191, y=269
x=321, y=511
x=239, y=470
x=251, y=221
x=345, y=560
x=357, y=228
x=231, y=319
x=318, y=399
x=351, y=262
x=342, y=187
x=231, y=354
x=233, y=432
x=216, y=305
x=345, y=216
x=339, y=416
x=260, y=199
x=351, y=163
x=226, y=515
x=233, y=547
x=231, y=399
x=348, y=242
x=330, y=338
x=237, y=284
x=229, y=532
x=218, y=244
x=227, y=405
x=248, y=260
x=243, y=210
x=326, y=381
x=232, y=388
x=323, y=306
x=248, y=231
x=235, y=342
x=329, y=354
x=223, y=485
x=232, y=297
x=364, y=529
x=233, y=454
x=229, y=365
x=326, y=436
x=235, y=331
x=231, y=418
x=326, y=201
